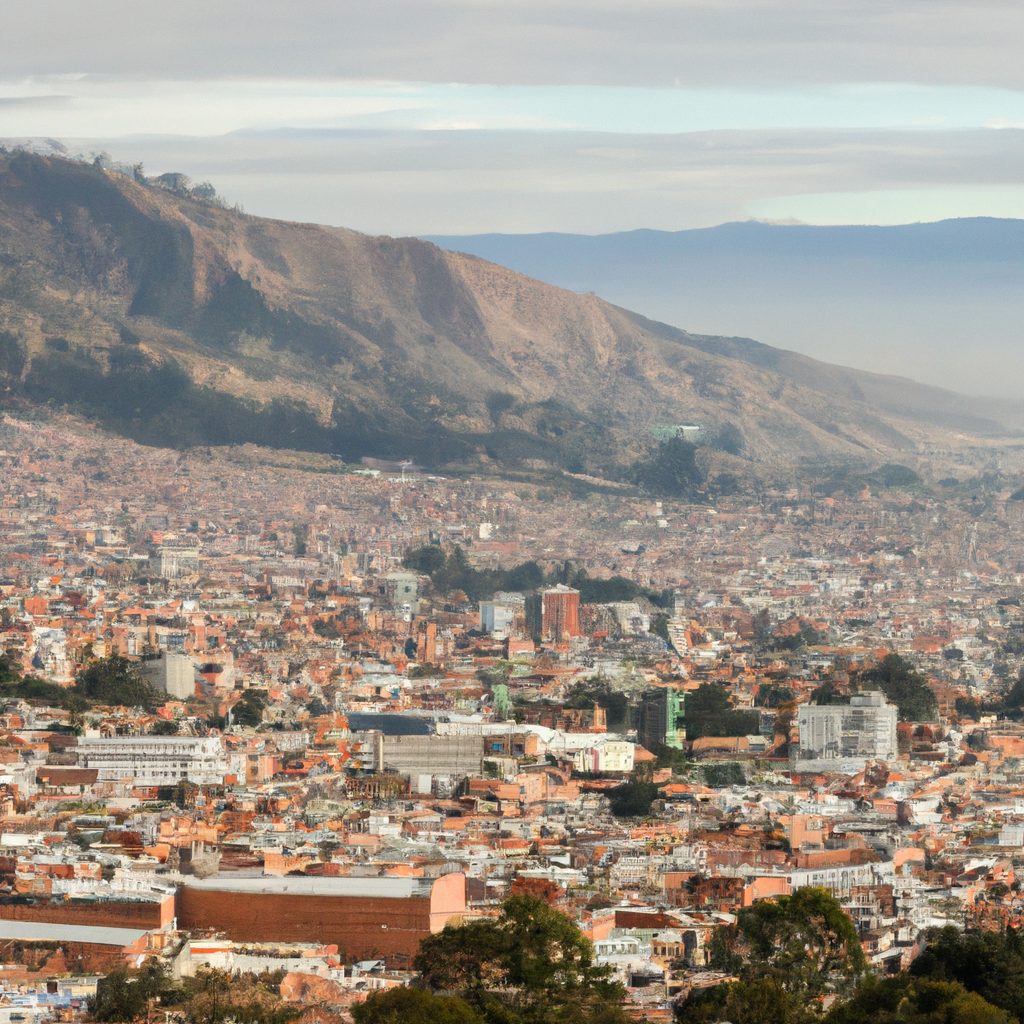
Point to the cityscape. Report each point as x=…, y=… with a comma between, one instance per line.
x=266, y=715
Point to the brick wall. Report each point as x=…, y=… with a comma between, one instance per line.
x=362, y=927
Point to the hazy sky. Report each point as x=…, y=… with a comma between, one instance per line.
x=463, y=116
x=576, y=116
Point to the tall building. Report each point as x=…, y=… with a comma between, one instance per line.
x=554, y=613
x=661, y=720
x=863, y=730
x=497, y=618
x=175, y=674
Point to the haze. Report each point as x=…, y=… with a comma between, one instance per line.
x=459, y=117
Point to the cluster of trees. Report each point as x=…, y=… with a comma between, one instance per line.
x=109, y=681
x=903, y=686
x=450, y=572
x=785, y=954
x=788, y=953
x=530, y=966
x=709, y=712
x=130, y=994
x=114, y=680
x=671, y=471
x=1009, y=705
x=901, y=683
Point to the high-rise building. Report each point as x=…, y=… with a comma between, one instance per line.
x=661, y=724
x=863, y=730
x=558, y=612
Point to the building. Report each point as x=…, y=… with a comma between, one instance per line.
x=414, y=755
x=554, y=613
x=154, y=760
x=174, y=674
x=497, y=618
x=88, y=948
x=863, y=730
x=661, y=724
x=378, y=918
x=610, y=756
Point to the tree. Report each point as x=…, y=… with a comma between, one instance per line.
x=805, y=940
x=532, y=964
x=114, y=680
x=1013, y=699
x=409, y=1006
x=990, y=963
x=632, y=799
x=671, y=471
x=828, y=693
x=124, y=995
x=709, y=712
x=761, y=1001
x=904, y=687
x=249, y=709
x=906, y=1000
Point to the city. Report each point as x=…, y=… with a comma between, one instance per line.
x=269, y=716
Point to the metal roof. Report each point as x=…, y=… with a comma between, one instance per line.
x=38, y=931
x=389, y=887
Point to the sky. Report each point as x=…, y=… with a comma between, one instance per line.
x=461, y=116
x=415, y=117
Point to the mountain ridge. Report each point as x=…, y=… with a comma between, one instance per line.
x=939, y=300
x=173, y=320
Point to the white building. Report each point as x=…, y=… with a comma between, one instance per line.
x=610, y=756
x=155, y=760
x=497, y=618
x=861, y=731
x=174, y=674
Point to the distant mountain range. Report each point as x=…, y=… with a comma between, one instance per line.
x=937, y=302
x=174, y=321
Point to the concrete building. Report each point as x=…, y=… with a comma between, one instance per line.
x=661, y=724
x=861, y=731
x=611, y=756
x=497, y=618
x=173, y=674
x=154, y=760
x=414, y=755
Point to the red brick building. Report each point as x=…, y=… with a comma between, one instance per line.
x=367, y=918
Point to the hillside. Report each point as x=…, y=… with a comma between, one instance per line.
x=937, y=302
x=174, y=321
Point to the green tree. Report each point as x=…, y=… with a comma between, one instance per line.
x=990, y=964
x=249, y=708
x=828, y=693
x=908, y=1000
x=532, y=964
x=708, y=711
x=632, y=799
x=806, y=941
x=412, y=1006
x=759, y=1001
x=124, y=994
x=671, y=471
x=114, y=680
x=904, y=687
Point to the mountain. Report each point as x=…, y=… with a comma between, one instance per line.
x=938, y=302
x=175, y=321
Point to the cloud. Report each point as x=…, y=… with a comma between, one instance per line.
x=467, y=181
x=655, y=43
